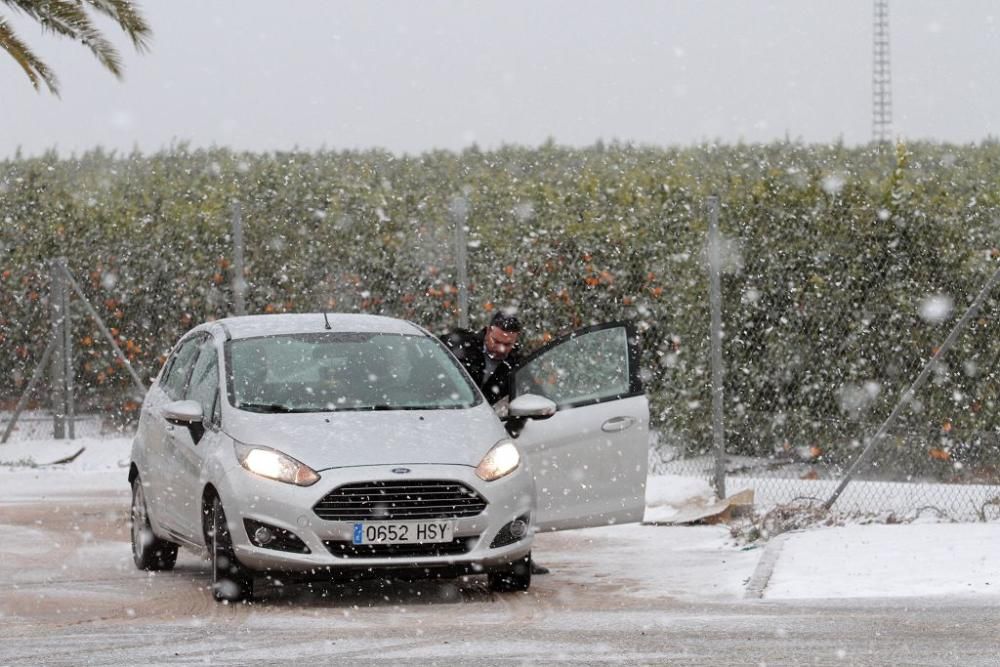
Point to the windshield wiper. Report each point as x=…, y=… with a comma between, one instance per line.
x=269, y=407
x=380, y=406
x=277, y=408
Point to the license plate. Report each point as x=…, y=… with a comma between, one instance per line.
x=404, y=532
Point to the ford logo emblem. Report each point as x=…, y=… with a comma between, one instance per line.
x=400, y=471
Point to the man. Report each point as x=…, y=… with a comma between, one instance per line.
x=489, y=355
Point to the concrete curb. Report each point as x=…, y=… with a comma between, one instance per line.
x=765, y=567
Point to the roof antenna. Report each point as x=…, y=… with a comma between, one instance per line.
x=325, y=319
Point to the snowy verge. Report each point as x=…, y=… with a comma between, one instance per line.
x=36, y=425
x=27, y=473
x=667, y=495
x=878, y=561
x=642, y=561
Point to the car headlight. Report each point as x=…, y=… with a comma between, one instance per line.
x=502, y=460
x=273, y=464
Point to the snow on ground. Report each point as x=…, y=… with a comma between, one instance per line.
x=27, y=473
x=667, y=494
x=964, y=502
x=37, y=425
x=793, y=483
x=889, y=561
x=693, y=562
x=687, y=562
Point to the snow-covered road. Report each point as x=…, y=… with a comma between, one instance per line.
x=626, y=595
x=69, y=595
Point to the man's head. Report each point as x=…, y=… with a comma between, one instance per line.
x=501, y=335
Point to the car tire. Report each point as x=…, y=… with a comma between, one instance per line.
x=149, y=552
x=514, y=577
x=231, y=581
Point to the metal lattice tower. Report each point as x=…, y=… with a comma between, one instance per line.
x=881, y=76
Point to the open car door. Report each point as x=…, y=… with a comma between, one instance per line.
x=589, y=459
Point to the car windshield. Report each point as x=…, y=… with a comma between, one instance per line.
x=319, y=372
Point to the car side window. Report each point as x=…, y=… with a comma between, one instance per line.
x=590, y=367
x=204, y=383
x=177, y=374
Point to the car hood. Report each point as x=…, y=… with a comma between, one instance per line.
x=324, y=440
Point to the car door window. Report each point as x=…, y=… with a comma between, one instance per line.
x=177, y=374
x=204, y=384
x=589, y=459
x=589, y=366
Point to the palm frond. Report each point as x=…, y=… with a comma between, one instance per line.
x=69, y=18
x=37, y=71
x=128, y=18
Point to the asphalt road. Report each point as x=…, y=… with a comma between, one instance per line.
x=69, y=595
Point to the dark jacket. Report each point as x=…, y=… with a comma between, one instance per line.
x=469, y=348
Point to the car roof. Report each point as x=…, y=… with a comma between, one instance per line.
x=251, y=326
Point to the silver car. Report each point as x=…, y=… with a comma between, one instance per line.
x=350, y=446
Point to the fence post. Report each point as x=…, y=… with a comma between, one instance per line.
x=239, y=277
x=68, y=353
x=58, y=302
x=715, y=299
x=459, y=209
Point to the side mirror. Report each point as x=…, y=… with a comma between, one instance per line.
x=183, y=413
x=532, y=406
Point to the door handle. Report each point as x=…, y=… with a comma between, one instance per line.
x=616, y=424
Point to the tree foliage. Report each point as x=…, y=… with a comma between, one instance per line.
x=72, y=19
x=832, y=256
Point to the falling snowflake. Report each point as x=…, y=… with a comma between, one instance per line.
x=936, y=308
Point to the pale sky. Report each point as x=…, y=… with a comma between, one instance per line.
x=414, y=76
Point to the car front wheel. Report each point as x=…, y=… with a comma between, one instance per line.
x=514, y=577
x=231, y=581
x=148, y=551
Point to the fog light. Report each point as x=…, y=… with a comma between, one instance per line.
x=512, y=532
x=263, y=536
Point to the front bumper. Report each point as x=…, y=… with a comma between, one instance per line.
x=290, y=508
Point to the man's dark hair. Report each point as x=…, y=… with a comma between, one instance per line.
x=508, y=323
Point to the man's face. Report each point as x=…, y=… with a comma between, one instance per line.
x=499, y=343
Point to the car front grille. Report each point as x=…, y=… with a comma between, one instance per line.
x=458, y=546
x=400, y=500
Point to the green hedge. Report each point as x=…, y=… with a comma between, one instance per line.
x=831, y=250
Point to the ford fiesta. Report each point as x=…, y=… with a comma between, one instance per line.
x=349, y=446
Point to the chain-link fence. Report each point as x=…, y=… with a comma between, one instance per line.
x=823, y=336
x=838, y=282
